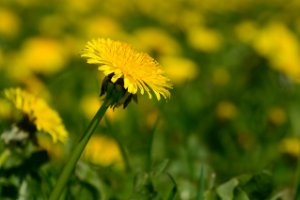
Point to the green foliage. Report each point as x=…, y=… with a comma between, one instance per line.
x=244, y=187
x=145, y=184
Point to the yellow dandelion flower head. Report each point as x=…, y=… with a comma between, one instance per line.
x=139, y=71
x=38, y=112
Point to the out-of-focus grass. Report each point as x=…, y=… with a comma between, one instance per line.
x=234, y=108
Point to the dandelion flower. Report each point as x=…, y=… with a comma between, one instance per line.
x=38, y=113
x=290, y=146
x=9, y=24
x=136, y=71
x=226, y=110
x=277, y=116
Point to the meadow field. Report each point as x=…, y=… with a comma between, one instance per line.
x=222, y=123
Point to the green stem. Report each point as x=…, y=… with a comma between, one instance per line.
x=4, y=156
x=125, y=156
x=67, y=170
x=297, y=186
x=200, y=193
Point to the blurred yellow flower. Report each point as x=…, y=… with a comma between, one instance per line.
x=4, y=109
x=27, y=3
x=246, y=31
x=41, y=55
x=220, y=76
x=277, y=116
x=54, y=21
x=72, y=45
x=91, y=103
x=164, y=43
x=55, y=151
x=75, y=7
x=204, y=39
x=226, y=110
x=157, y=8
x=280, y=46
x=276, y=43
x=38, y=113
x=102, y=26
x=290, y=146
x=9, y=23
x=189, y=18
x=103, y=151
x=179, y=69
x=138, y=70
x=35, y=86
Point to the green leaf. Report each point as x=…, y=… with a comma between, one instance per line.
x=260, y=186
x=200, y=193
x=174, y=189
x=240, y=195
x=210, y=195
x=143, y=188
x=88, y=191
x=226, y=190
x=160, y=168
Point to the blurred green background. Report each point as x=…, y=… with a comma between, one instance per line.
x=234, y=110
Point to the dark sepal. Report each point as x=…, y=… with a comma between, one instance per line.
x=129, y=99
x=105, y=82
x=27, y=125
x=135, y=98
x=116, y=93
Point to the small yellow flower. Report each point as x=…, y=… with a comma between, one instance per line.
x=277, y=116
x=4, y=109
x=246, y=31
x=9, y=23
x=94, y=27
x=119, y=61
x=91, y=103
x=180, y=69
x=280, y=45
x=277, y=43
x=226, y=110
x=204, y=39
x=103, y=151
x=43, y=55
x=38, y=113
x=290, y=146
x=164, y=43
x=55, y=151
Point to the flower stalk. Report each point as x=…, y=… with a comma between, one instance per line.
x=69, y=167
x=4, y=156
x=297, y=185
x=126, y=72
